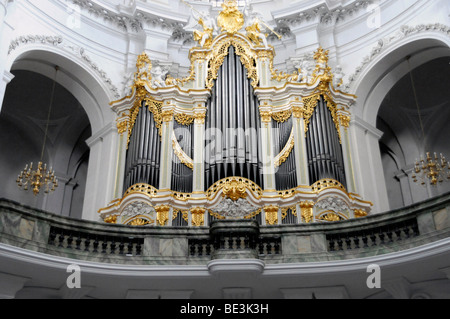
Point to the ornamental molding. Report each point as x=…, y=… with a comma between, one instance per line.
x=134, y=20
x=333, y=203
x=388, y=42
x=79, y=52
x=323, y=14
x=231, y=209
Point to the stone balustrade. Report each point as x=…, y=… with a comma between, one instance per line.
x=393, y=231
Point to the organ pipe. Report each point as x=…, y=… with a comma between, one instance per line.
x=233, y=146
x=144, y=151
x=325, y=158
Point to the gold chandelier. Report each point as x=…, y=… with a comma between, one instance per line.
x=432, y=169
x=40, y=177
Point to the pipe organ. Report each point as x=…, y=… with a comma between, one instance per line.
x=235, y=139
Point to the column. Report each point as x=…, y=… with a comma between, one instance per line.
x=122, y=128
x=101, y=175
x=6, y=79
x=369, y=174
x=165, y=182
x=267, y=149
x=344, y=121
x=200, y=69
x=404, y=178
x=300, y=145
x=199, y=147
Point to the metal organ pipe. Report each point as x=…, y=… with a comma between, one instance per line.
x=325, y=158
x=233, y=109
x=142, y=162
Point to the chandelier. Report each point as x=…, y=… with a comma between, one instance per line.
x=432, y=169
x=40, y=177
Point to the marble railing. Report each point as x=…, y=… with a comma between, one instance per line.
x=398, y=230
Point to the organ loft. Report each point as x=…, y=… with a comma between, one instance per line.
x=235, y=139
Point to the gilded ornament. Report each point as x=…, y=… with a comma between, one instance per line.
x=162, y=214
x=284, y=211
x=297, y=112
x=111, y=219
x=344, y=120
x=167, y=116
x=200, y=118
x=359, y=213
x=122, y=126
x=324, y=184
x=266, y=116
x=234, y=190
x=184, y=119
x=282, y=117
x=307, y=211
x=331, y=217
x=139, y=222
x=271, y=215
x=230, y=19
x=286, y=151
x=198, y=216
x=205, y=37
x=220, y=51
x=255, y=35
x=182, y=156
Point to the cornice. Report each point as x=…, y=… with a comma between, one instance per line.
x=58, y=41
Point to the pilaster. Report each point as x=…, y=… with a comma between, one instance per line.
x=6, y=79
x=267, y=149
x=300, y=145
x=199, y=138
x=166, y=147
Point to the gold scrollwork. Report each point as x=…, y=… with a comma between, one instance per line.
x=230, y=18
x=307, y=211
x=324, y=184
x=142, y=189
x=184, y=119
x=266, y=116
x=111, y=219
x=286, y=152
x=182, y=156
x=234, y=190
x=250, y=186
x=282, y=117
x=140, y=221
x=243, y=50
x=359, y=213
x=162, y=214
x=331, y=217
x=198, y=216
x=271, y=215
x=284, y=211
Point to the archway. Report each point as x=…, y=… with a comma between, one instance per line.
x=376, y=81
x=398, y=118
x=95, y=145
x=23, y=123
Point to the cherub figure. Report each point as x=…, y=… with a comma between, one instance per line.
x=205, y=37
x=338, y=79
x=255, y=35
x=158, y=75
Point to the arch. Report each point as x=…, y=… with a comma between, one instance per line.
x=75, y=75
x=384, y=71
x=376, y=79
x=94, y=91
